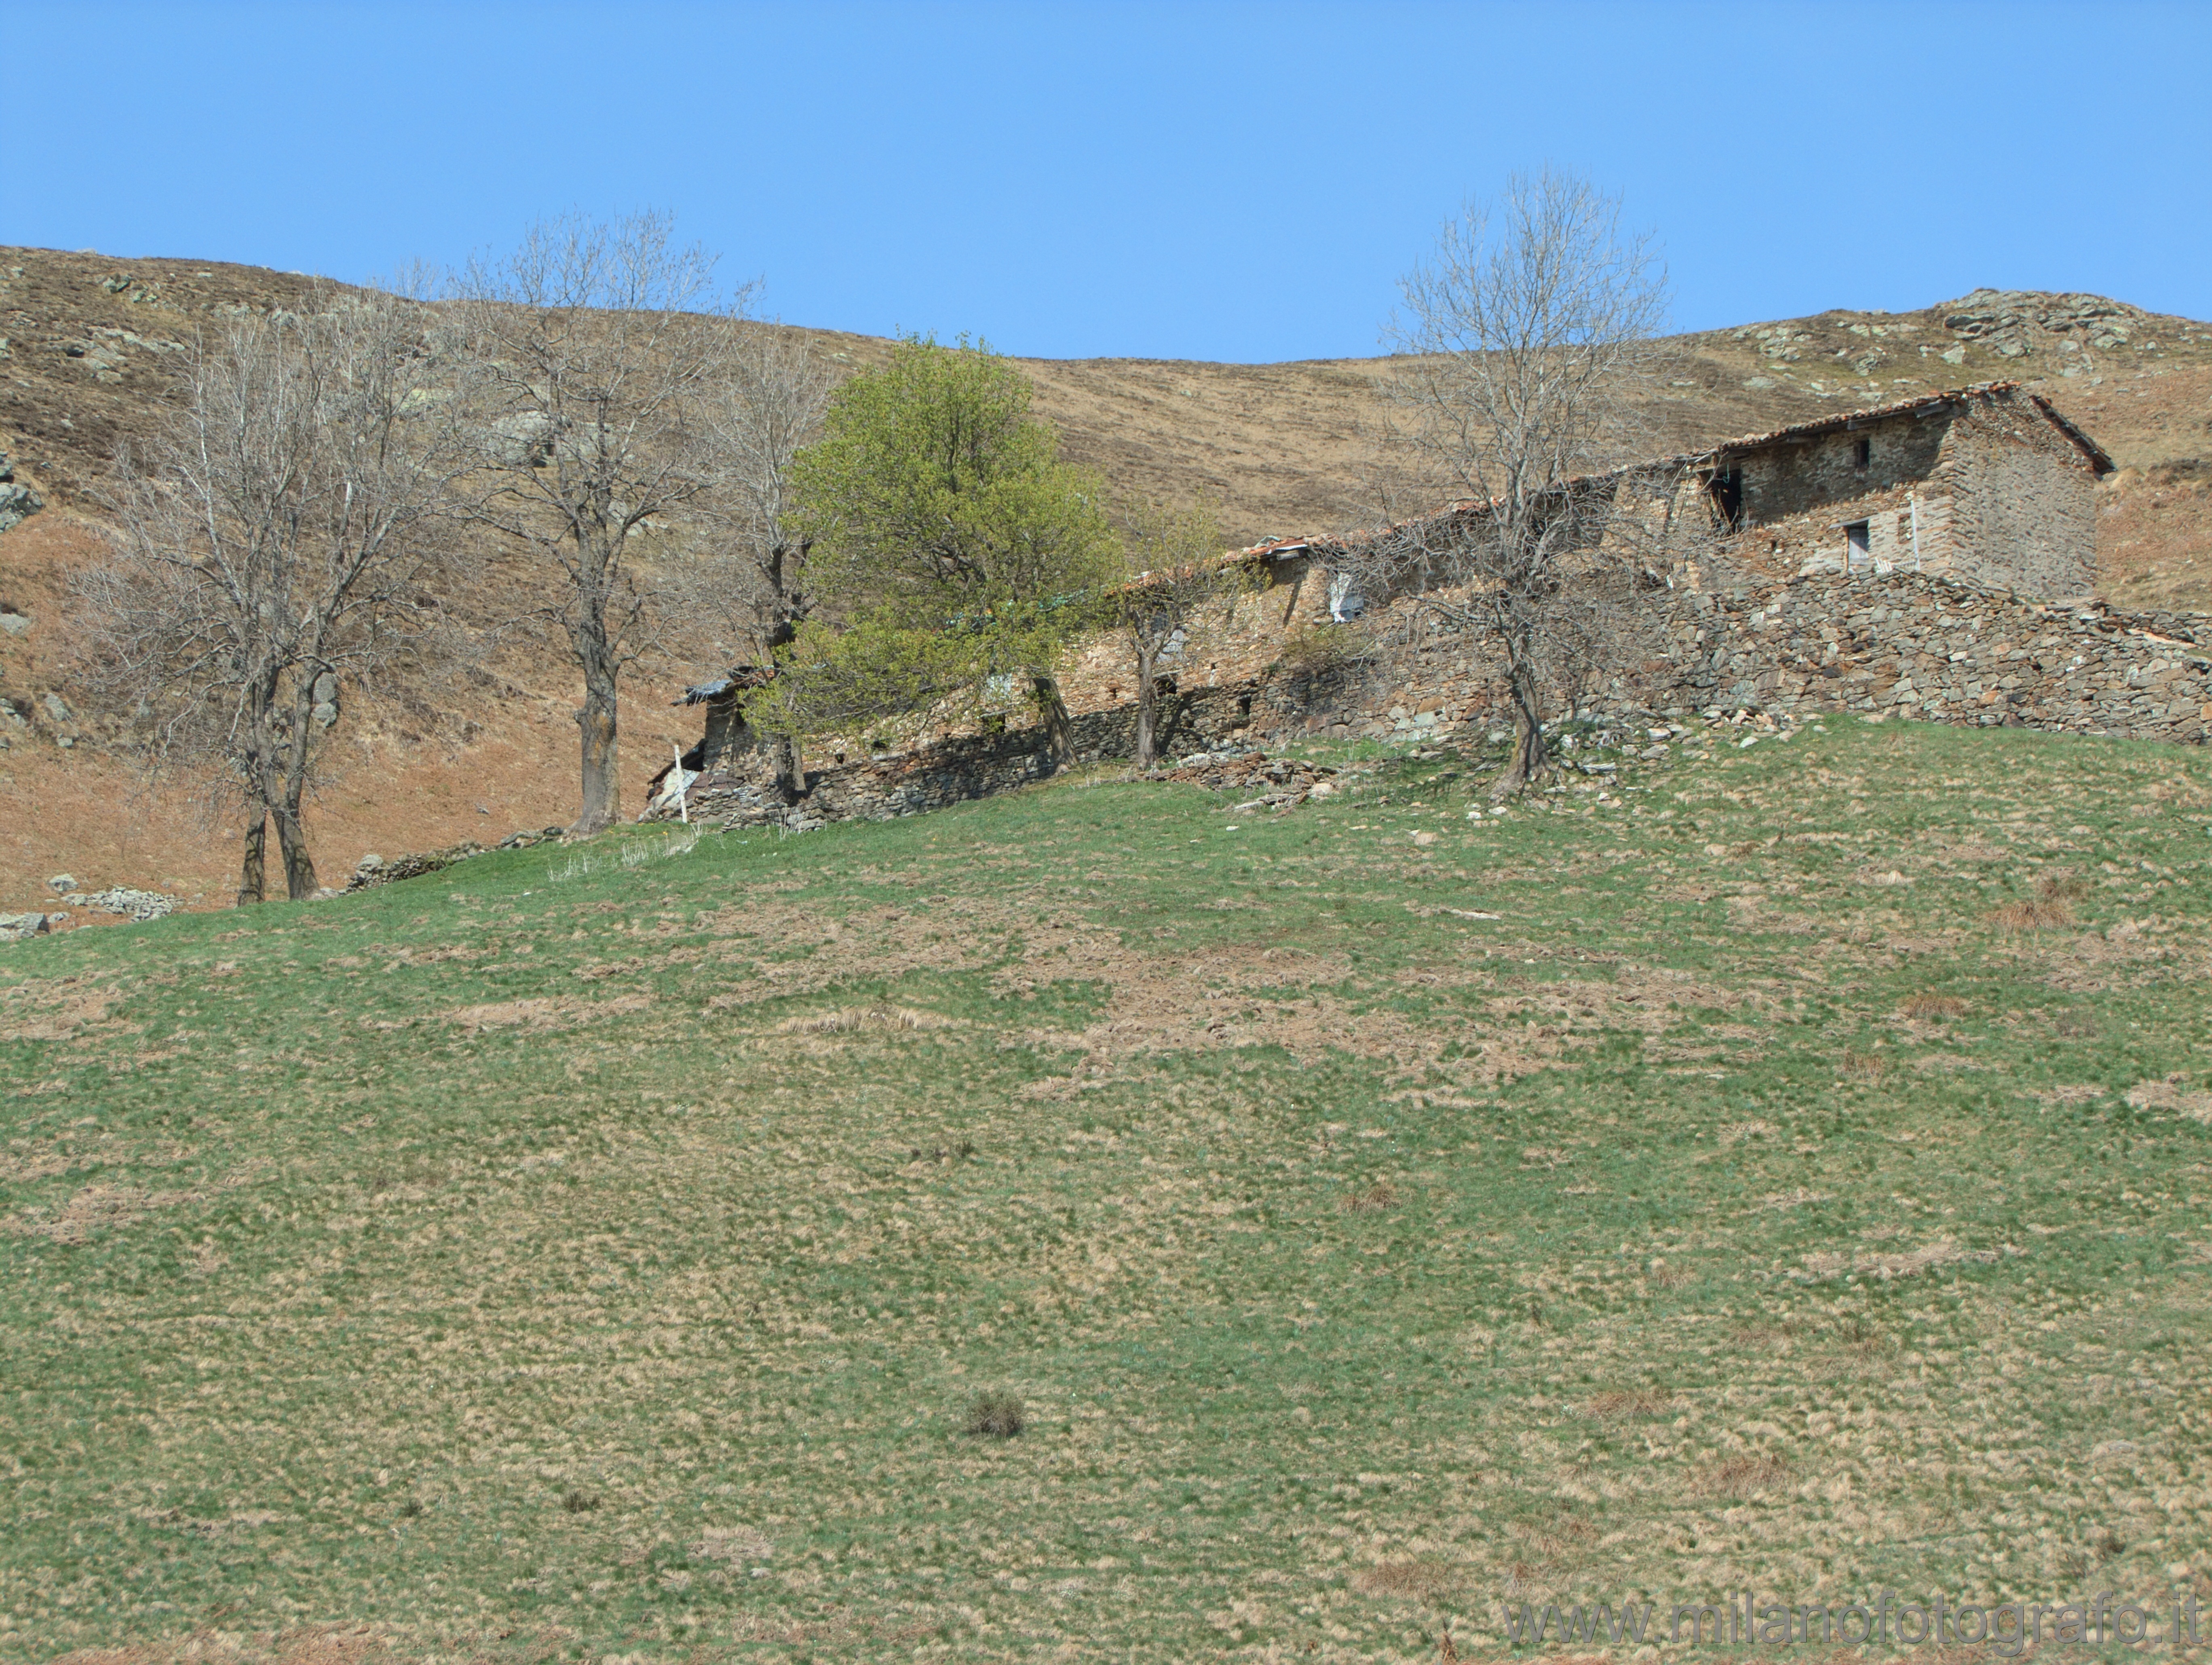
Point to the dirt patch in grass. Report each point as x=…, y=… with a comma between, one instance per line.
x=2175, y=1094
x=93, y=1210
x=53, y=1010
x=1831, y=1263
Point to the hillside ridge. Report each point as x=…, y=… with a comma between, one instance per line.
x=88, y=342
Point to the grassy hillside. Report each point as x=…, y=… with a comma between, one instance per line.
x=1788, y=1171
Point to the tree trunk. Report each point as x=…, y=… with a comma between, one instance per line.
x=292, y=843
x=1060, y=732
x=597, y=723
x=790, y=767
x=1147, y=704
x=253, y=877
x=1529, y=757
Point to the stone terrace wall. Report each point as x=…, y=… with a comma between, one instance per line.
x=1920, y=646
x=1926, y=647
x=1905, y=643
x=949, y=772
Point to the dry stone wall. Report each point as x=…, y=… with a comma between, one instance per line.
x=2025, y=502
x=1923, y=646
x=1783, y=481
x=1905, y=644
x=911, y=781
x=1909, y=643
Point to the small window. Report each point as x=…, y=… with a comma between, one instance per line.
x=1862, y=453
x=1860, y=551
x=1345, y=602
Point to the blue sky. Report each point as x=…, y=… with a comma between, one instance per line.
x=1222, y=181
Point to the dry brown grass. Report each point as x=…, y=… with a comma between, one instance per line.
x=312, y=1644
x=1374, y=1199
x=53, y=1010
x=1744, y=1476
x=1416, y=1580
x=1869, y=1067
x=1935, y=1006
x=1626, y=1404
x=542, y=1014
x=2032, y=916
x=1904, y=1264
x=739, y=1545
x=852, y=1019
x=2050, y=908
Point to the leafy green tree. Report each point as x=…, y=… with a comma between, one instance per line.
x=950, y=546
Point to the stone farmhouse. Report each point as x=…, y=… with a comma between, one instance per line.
x=1988, y=486
x=1933, y=557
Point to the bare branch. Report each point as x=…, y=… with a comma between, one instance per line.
x=592, y=352
x=272, y=548
x=1530, y=326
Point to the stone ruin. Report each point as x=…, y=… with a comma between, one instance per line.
x=1930, y=558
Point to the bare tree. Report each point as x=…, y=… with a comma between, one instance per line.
x=271, y=544
x=593, y=351
x=1180, y=576
x=1530, y=327
x=751, y=583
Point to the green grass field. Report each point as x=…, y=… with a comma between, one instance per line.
x=1799, y=1185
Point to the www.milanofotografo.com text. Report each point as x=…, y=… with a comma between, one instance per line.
x=1745, y=1620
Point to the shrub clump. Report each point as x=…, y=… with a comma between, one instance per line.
x=1935, y=1006
x=995, y=1414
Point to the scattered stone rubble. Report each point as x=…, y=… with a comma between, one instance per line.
x=1275, y=783
x=18, y=503
x=374, y=870
x=137, y=906
x=1948, y=653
